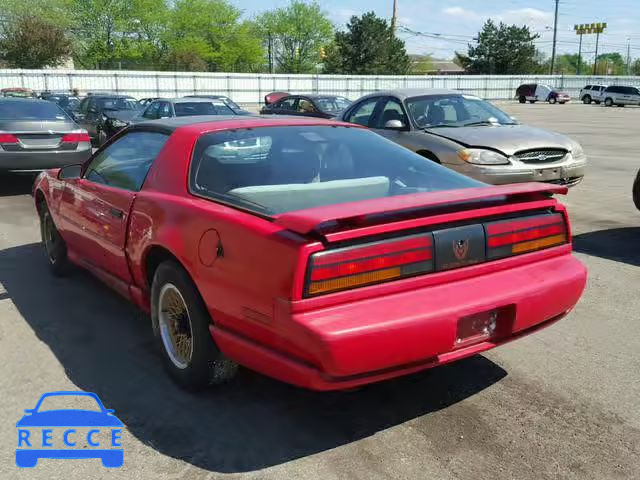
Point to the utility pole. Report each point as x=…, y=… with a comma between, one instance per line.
x=628, y=56
x=394, y=17
x=270, y=53
x=595, y=61
x=579, y=55
x=555, y=38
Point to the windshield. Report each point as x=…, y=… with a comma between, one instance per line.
x=31, y=110
x=230, y=103
x=279, y=169
x=187, y=109
x=69, y=402
x=454, y=111
x=332, y=104
x=118, y=103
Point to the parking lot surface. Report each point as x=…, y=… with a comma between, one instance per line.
x=562, y=403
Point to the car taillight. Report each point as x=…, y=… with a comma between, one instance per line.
x=522, y=235
x=8, y=138
x=369, y=263
x=76, y=138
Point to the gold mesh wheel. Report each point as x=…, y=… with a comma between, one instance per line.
x=175, y=326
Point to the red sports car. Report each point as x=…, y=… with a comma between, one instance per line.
x=315, y=252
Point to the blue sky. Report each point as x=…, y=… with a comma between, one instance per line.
x=459, y=20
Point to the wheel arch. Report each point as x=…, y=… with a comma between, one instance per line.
x=429, y=155
x=155, y=255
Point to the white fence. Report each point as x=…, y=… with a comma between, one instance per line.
x=250, y=89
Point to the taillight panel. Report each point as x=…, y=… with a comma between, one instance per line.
x=392, y=259
x=369, y=263
x=513, y=237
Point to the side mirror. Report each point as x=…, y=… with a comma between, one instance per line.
x=70, y=172
x=29, y=410
x=394, y=125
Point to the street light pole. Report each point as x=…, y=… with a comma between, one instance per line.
x=595, y=61
x=555, y=37
x=579, y=57
x=628, y=56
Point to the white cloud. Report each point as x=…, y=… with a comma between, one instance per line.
x=460, y=13
x=533, y=18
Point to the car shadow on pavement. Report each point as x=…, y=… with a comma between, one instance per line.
x=16, y=184
x=105, y=346
x=618, y=244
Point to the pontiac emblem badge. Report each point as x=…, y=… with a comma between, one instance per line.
x=460, y=249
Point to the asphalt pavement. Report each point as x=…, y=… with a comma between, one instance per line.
x=560, y=404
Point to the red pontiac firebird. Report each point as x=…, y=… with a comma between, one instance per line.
x=315, y=252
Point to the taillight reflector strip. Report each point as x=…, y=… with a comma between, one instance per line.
x=76, y=138
x=512, y=237
x=361, y=265
x=8, y=138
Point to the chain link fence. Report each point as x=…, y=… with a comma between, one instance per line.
x=250, y=89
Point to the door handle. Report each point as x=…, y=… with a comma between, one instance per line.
x=116, y=213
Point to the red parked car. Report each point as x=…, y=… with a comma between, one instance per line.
x=315, y=252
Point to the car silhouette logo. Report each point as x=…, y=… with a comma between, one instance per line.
x=36, y=432
x=460, y=249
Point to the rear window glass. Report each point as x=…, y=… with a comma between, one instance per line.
x=118, y=103
x=31, y=110
x=332, y=104
x=273, y=170
x=187, y=109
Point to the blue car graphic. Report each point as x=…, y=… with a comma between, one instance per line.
x=28, y=457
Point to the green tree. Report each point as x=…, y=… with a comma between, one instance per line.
x=211, y=31
x=611, y=64
x=367, y=47
x=297, y=33
x=567, y=64
x=501, y=49
x=30, y=42
x=635, y=67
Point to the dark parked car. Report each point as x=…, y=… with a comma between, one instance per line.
x=237, y=109
x=534, y=92
x=144, y=102
x=36, y=135
x=104, y=116
x=68, y=103
x=182, y=107
x=321, y=106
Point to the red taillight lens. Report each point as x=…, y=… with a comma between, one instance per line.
x=76, y=138
x=512, y=237
x=8, y=138
x=369, y=263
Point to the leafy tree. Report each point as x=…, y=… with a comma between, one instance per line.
x=635, y=67
x=368, y=47
x=298, y=33
x=501, y=49
x=567, y=64
x=211, y=31
x=30, y=42
x=611, y=64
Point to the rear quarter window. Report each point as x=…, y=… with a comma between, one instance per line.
x=272, y=170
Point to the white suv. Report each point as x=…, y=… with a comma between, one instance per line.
x=621, y=96
x=592, y=93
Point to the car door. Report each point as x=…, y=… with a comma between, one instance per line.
x=93, y=117
x=287, y=106
x=362, y=112
x=81, y=114
x=151, y=113
x=94, y=209
x=390, y=109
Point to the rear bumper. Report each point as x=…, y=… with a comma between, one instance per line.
x=387, y=336
x=40, y=160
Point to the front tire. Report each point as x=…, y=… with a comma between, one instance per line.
x=608, y=102
x=552, y=100
x=181, y=322
x=522, y=99
x=54, y=245
x=586, y=100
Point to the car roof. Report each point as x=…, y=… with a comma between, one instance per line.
x=204, y=123
x=187, y=99
x=404, y=93
x=109, y=95
x=24, y=99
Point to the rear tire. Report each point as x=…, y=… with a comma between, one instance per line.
x=532, y=101
x=586, y=100
x=180, y=323
x=636, y=191
x=608, y=102
x=552, y=100
x=54, y=245
x=522, y=100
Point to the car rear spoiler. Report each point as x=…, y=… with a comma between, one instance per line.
x=312, y=219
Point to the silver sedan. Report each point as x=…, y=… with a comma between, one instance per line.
x=470, y=136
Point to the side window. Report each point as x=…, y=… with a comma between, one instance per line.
x=287, y=104
x=164, y=110
x=361, y=113
x=305, y=106
x=152, y=111
x=392, y=111
x=126, y=162
x=84, y=105
x=588, y=87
